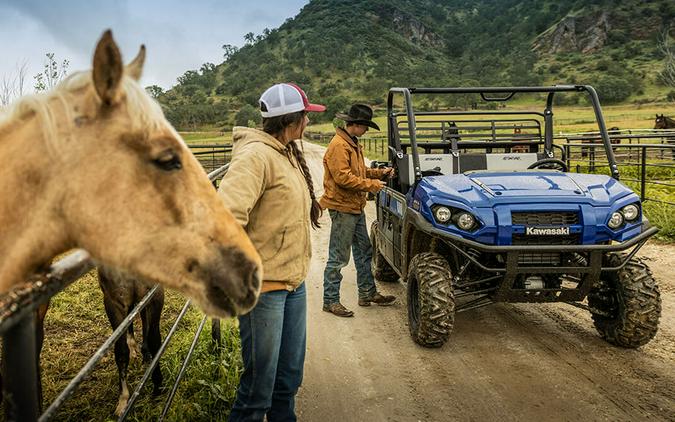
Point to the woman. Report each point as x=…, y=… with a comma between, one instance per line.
x=270, y=192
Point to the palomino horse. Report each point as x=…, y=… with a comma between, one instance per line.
x=94, y=164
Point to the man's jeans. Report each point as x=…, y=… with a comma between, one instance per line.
x=273, y=340
x=348, y=231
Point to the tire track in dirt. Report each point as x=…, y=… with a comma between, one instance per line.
x=578, y=354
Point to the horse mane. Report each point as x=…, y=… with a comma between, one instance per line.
x=41, y=105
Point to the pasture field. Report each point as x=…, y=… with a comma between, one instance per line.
x=76, y=325
x=212, y=137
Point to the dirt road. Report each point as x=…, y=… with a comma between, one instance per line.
x=503, y=362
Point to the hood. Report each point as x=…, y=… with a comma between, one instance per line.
x=245, y=135
x=486, y=188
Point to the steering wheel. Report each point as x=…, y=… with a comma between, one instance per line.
x=431, y=173
x=436, y=171
x=549, y=163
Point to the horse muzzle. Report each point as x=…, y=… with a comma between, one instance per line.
x=232, y=282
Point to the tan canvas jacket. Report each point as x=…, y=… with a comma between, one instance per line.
x=346, y=179
x=268, y=196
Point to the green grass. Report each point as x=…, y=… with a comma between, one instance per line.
x=76, y=326
x=207, y=137
x=661, y=216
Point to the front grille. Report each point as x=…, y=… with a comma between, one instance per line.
x=539, y=258
x=545, y=218
x=521, y=239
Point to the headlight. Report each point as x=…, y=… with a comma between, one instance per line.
x=466, y=221
x=630, y=212
x=615, y=221
x=442, y=214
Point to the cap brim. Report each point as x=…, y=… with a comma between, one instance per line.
x=315, y=107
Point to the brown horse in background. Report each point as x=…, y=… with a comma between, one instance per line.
x=121, y=293
x=94, y=164
x=665, y=122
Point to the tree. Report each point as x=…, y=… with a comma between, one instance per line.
x=249, y=38
x=246, y=114
x=667, y=75
x=612, y=89
x=228, y=51
x=154, y=91
x=52, y=74
x=191, y=77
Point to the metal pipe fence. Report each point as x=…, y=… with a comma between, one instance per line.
x=376, y=144
x=17, y=327
x=648, y=167
x=212, y=156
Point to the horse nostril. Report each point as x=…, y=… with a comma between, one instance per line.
x=255, y=280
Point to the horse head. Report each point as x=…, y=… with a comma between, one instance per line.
x=114, y=177
x=664, y=122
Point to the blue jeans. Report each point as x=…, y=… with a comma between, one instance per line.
x=273, y=341
x=348, y=231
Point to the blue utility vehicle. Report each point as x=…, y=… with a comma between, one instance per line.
x=484, y=210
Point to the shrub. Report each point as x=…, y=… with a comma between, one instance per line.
x=612, y=89
x=245, y=114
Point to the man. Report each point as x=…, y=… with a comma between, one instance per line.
x=346, y=182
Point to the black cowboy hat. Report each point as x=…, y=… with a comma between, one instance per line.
x=359, y=114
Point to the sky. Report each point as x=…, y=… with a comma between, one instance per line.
x=179, y=35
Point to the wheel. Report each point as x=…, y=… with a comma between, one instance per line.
x=381, y=269
x=431, y=302
x=626, y=304
x=549, y=163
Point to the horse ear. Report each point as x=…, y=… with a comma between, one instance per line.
x=108, y=69
x=135, y=68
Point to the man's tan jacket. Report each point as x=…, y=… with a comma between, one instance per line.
x=268, y=196
x=346, y=179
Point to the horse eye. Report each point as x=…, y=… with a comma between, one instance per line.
x=168, y=161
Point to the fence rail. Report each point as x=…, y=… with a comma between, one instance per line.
x=372, y=144
x=212, y=156
x=635, y=162
x=17, y=327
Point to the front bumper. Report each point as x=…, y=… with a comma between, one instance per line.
x=511, y=269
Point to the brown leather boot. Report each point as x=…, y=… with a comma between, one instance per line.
x=337, y=309
x=377, y=299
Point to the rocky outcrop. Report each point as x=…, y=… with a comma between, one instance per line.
x=416, y=31
x=585, y=34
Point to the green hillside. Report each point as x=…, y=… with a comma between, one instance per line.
x=345, y=50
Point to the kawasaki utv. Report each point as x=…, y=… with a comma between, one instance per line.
x=483, y=210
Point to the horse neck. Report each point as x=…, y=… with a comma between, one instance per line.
x=670, y=123
x=32, y=234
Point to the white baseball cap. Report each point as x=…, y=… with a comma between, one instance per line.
x=286, y=98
